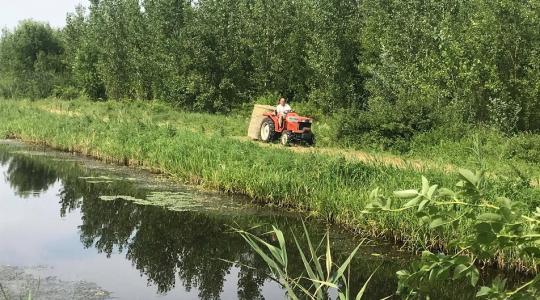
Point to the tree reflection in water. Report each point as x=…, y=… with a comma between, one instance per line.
x=25, y=177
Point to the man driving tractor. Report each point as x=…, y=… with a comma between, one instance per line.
x=281, y=122
x=282, y=109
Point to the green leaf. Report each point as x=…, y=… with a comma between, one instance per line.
x=364, y=287
x=504, y=202
x=486, y=237
x=431, y=191
x=422, y=204
x=406, y=194
x=403, y=273
x=341, y=270
x=328, y=256
x=474, y=275
x=443, y=273
x=412, y=202
x=497, y=226
x=425, y=186
x=484, y=291
x=325, y=283
x=483, y=227
x=459, y=270
x=427, y=255
x=282, y=245
x=313, y=253
x=490, y=217
x=506, y=213
x=469, y=176
x=253, y=242
x=374, y=194
x=461, y=260
x=446, y=192
x=388, y=204
x=436, y=223
x=531, y=251
x=431, y=277
x=307, y=265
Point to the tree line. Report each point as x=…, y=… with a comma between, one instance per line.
x=390, y=67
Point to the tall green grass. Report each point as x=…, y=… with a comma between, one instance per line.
x=443, y=147
x=200, y=149
x=322, y=274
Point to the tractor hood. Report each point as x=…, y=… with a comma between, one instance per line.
x=295, y=118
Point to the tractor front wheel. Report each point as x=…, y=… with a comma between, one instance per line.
x=285, y=139
x=310, y=139
x=268, y=130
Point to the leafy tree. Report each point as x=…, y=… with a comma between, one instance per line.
x=82, y=54
x=466, y=60
x=334, y=54
x=278, y=33
x=166, y=21
x=217, y=68
x=30, y=60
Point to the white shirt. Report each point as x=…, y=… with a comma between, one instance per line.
x=283, y=109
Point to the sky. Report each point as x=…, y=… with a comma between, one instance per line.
x=51, y=11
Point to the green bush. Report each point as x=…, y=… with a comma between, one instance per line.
x=31, y=61
x=524, y=146
x=5, y=91
x=66, y=92
x=386, y=125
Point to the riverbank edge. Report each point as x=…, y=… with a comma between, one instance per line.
x=354, y=225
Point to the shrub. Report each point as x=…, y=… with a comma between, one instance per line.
x=524, y=146
x=66, y=92
x=390, y=126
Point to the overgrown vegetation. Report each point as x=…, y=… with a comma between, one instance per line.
x=499, y=226
x=503, y=155
x=329, y=186
x=322, y=274
x=388, y=71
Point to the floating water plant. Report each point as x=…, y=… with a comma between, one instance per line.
x=177, y=201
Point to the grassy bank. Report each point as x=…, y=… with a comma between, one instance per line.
x=203, y=149
x=444, y=148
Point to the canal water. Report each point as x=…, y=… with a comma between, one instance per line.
x=75, y=228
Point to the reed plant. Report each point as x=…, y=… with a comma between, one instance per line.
x=321, y=276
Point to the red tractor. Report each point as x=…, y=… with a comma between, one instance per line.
x=295, y=129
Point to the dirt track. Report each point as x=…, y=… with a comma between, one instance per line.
x=357, y=155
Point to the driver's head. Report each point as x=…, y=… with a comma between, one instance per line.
x=282, y=101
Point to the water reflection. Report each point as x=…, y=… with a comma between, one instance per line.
x=25, y=177
x=190, y=249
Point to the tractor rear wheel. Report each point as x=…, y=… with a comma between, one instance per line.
x=268, y=130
